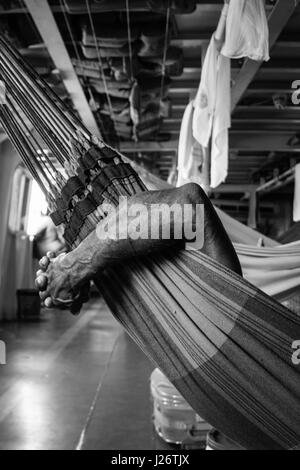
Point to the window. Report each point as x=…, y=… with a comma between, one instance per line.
x=37, y=209
x=19, y=200
x=28, y=203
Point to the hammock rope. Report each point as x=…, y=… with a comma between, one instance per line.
x=101, y=68
x=79, y=61
x=129, y=40
x=165, y=52
x=225, y=345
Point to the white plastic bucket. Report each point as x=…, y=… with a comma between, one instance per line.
x=174, y=419
x=218, y=441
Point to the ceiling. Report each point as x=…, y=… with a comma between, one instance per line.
x=265, y=133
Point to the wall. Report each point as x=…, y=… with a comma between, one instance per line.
x=15, y=251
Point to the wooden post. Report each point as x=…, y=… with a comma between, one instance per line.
x=252, y=222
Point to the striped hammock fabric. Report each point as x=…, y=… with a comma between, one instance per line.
x=225, y=345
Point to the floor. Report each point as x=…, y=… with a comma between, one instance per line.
x=74, y=383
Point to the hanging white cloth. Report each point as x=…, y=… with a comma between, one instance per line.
x=206, y=97
x=212, y=111
x=221, y=124
x=247, y=31
x=190, y=155
x=297, y=194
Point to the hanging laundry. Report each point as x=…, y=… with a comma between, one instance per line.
x=247, y=31
x=222, y=122
x=212, y=111
x=206, y=97
x=190, y=156
x=297, y=194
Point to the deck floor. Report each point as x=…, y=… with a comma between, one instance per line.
x=74, y=383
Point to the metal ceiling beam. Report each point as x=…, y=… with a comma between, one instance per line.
x=259, y=88
x=252, y=140
x=234, y=188
x=266, y=110
x=196, y=39
x=280, y=15
x=135, y=6
x=45, y=22
x=274, y=65
x=149, y=146
x=175, y=122
x=264, y=141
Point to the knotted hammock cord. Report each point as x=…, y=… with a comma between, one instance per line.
x=166, y=43
x=135, y=114
x=101, y=67
x=78, y=57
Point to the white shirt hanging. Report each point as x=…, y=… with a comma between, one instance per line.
x=190, y=156
x=206, y=96
x=212, y=111
x=247, y=31
x=221, y=124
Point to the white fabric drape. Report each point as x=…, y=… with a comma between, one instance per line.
x=247, y=31
x=275, y=270
x=296, y=215
x=190, y=156
x=222, y=122
x=205, y=101
x=247, y=35
x=212, y=111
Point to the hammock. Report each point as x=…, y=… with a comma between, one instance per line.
x=225, y=345
x=276, y=270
